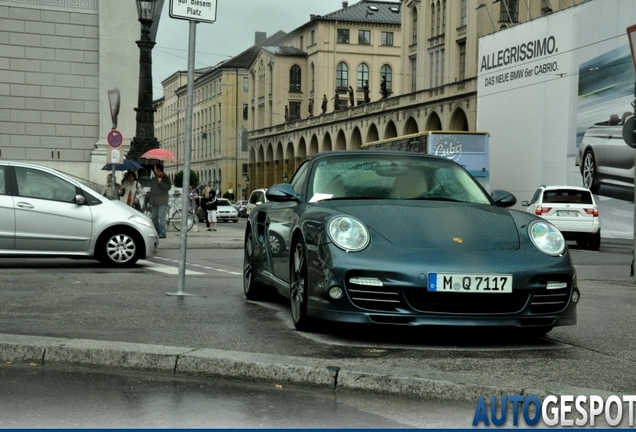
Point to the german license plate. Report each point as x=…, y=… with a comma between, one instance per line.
x=469, y=283
x=567, y=213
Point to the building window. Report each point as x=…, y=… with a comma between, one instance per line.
x=433, y=19
x=413, y=74
x=443, y=16
x=294, y=78
x=513, y=8
x=363, y=75
x=313, y=77
x=246, y=84
x=414, y=29
x=294, y=111
x=302, y=42
x=387, y=72
x=439, y=17
x=463, y=17
x=244, y=111
x=342, y=75
x=387, y=38
x=431, y=67
x=364, y=37
x=462, y=61
x=313, y=37
x=343, y=36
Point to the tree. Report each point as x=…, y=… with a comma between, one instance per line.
x=194, y=179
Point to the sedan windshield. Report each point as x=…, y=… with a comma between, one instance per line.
x=393, y=177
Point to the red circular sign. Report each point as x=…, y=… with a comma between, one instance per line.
x=114, y=138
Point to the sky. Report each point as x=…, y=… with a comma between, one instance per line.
x=231, y=33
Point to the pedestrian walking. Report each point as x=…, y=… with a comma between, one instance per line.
x=159, y=186
x=130, y=191
x=109, y=190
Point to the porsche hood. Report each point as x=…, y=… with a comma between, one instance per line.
x=435, y=225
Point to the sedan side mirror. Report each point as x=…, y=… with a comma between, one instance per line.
x=503, y=198
x=282, y=192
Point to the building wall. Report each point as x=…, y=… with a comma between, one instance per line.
x=57, y=62
x=450, y=103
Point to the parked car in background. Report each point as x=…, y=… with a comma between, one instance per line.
x=225, y=211
x=257, y=197
x=46, y=213
x=405, y=239
x=241, y=207
x=572, y=210
x=604, y=158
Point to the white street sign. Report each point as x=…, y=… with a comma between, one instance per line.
x=193, y=10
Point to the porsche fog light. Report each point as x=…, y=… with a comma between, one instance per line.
x=335, y=293
x=348, y=233
x=556, y=285
x=366, y=281
x=575, y=296
x=547, y=238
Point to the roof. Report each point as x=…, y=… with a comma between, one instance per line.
x=368, y=11
x=285, y=51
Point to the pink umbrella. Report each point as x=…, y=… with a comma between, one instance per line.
x=159, y=154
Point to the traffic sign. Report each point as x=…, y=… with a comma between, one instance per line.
x=114, y=138
x=194, y=10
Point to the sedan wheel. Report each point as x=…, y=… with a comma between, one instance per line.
x=588, y=171
x=120, y=249
x=298, y=288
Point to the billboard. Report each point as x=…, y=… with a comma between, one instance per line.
x=548, y=90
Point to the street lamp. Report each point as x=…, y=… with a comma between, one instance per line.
x=144, y=138
x=483, y=5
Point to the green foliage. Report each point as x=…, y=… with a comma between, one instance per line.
x=178, y=179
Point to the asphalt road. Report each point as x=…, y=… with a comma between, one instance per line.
x=71, y=299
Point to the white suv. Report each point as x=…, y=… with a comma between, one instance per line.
x=572, y=210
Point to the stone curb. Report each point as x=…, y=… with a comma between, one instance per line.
x=299, y=371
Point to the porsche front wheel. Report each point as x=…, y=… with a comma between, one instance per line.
x=298, y=288
x=250, y=287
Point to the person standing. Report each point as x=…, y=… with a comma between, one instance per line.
x=324, y=104
x=130, y=191
x=108, y=189
x=209, y=205
x=365, y=88
x=310, y=107
x=159, y=186
x=336, y=101
x=351, y=98
x=193, y=194
x=286, y=113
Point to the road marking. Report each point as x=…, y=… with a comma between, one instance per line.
x=214, y=269
x=171, y=270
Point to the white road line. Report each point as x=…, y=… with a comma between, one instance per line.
x=171, y=270
x=214, y=269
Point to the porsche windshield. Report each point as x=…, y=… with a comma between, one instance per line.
x=399, y=177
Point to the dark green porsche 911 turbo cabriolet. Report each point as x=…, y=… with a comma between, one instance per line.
x=383, y=237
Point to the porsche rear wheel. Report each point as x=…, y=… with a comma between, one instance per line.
x=298, y=288
x=251, y=289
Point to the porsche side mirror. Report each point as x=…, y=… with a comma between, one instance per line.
x=503, y=198
x=282, y=192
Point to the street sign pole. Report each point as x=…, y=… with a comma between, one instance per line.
x=205, y=12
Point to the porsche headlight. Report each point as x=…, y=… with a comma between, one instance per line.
x=547, y=238
x=140, y=220
x=348, y=233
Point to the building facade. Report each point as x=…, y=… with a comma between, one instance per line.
x=434, y=84
x=58, y=59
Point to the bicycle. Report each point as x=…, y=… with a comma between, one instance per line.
x=173, y=213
